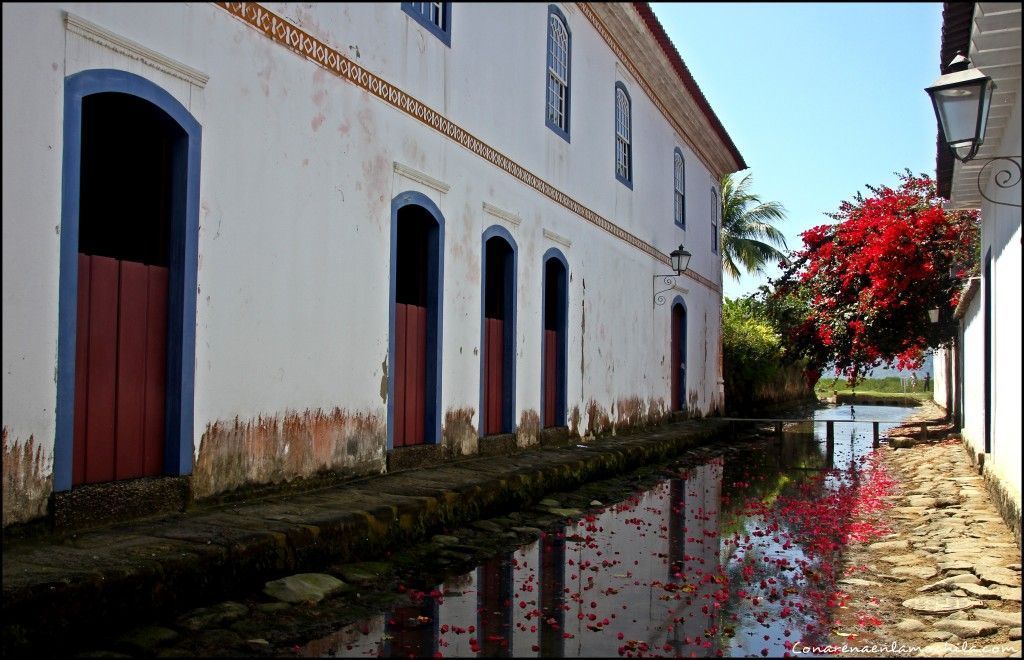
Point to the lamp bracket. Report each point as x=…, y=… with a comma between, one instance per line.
x=670, y=281
x=1003, y=178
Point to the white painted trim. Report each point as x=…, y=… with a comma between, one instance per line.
x=557, y=238
x=421, y=177
x=502, y=214
x=129, y=48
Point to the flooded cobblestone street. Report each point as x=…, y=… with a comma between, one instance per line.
x=732, y=550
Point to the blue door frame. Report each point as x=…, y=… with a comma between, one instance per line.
x=435, y=313
x=509, y=339
x=181, y=331
x=561, y=308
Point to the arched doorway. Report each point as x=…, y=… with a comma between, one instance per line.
x=498, y=376
x=128, y=280
x=414, y=402
x=677, y=367
x=555, y=313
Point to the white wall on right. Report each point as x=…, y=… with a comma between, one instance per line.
x=1001, y=233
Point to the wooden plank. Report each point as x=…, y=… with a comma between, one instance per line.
x=400, y=375
x=130, y=397
x=99, y=456
x=79, y=446
x=155, y=429
x=674, y=361
x=494, y=353
x=420, y=340
x=550, y=375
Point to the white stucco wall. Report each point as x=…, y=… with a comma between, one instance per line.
x=941, y=377
x=1001, y=233
x=297, y=178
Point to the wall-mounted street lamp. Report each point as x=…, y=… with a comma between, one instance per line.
x=962, y=98
x=680, y=260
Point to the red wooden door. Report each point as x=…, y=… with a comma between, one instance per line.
x=550, y=376
x=676, y=358
x=494, y=352
x=410, y=374
x=120, y=370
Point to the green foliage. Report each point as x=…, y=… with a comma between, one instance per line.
x=751, y=349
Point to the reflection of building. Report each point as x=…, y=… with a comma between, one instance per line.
x=700, y=557
x=245, y=244
x=980, y=383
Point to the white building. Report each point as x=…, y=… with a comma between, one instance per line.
x=980, y=382
x=248, y=243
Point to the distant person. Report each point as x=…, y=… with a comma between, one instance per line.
x=913, y=382
x=927, y=380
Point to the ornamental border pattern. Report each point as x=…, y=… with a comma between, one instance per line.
x=303, y=44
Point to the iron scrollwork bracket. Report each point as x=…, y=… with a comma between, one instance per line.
x=1003, y=178
x=659, y=296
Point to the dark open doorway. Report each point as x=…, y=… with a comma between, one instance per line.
x=128, y=191
x=416, y=326
x=499, y=323
x=556, y=281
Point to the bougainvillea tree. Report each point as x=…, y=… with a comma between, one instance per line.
x=867, y=282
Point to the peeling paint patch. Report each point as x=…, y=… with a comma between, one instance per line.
x=598, y=421
x=574, y=422
x=529, y=429
x=693, y=405
x=459, y=436
x=280, y=448
x=631, y=412
x=317, y=121
x=28, y=480
x=657, y=411
x=384, y=380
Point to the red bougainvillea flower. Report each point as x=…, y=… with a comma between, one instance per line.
x=867, y=281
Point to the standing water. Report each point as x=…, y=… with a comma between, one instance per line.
x=733, y=556
x=731, y=550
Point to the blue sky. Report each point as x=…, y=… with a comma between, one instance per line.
x=820, y=99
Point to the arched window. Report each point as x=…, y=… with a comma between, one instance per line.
x=715, y=210
x=679, y=167
x=623, y=136
x=558, y=73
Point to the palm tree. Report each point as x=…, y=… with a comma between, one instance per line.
x=748, y=235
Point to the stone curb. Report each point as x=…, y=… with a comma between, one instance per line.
x=55, y=588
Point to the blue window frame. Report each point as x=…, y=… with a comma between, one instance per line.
x=715, y=210
x=679, y=184
x=559, y=61
x=623, y=136
x=435, y=16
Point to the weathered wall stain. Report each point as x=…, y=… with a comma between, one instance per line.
x=280, y=448
x=28, y=479
x=631, y=412
x=598, y=421
x=384, y=380
x=574, y=422
x=693, y=405
x=657, y=411
x=459, y=436
x=529, y=429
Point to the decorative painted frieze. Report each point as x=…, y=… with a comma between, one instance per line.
x=302, y=43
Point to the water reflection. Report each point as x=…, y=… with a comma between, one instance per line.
x=690, y=567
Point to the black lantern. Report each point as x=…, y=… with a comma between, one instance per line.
x=961, y=99
x=680, y=259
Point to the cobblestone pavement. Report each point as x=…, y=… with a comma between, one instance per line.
x=946, y=581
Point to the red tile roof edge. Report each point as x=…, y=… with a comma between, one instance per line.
x=656, y=29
